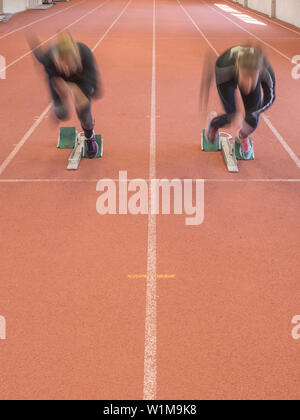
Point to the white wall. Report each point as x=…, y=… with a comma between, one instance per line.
x=15, y=6
x=289, y=11
x=263, y=6
x=285, y=10
x=32, y=3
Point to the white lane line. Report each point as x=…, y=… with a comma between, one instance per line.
x=94, y=181
x=45, y=180
x=260, y=180
x=237, y=5
x=26, y=136
x=248, y=32
x=281, y=140
x=53, y=36
x=10, y=157
x=111, y=26
x=151, y=297
x=39, y=20
x=198, y=29
x=90, y=180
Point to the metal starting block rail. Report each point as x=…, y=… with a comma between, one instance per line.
x=77, y=153
x=228, y=152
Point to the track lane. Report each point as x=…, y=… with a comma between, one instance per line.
x=225, y=320
x=60, y=255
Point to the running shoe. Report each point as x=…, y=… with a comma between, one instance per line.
x=212, y=133
x=246, y=148
x=91, y=147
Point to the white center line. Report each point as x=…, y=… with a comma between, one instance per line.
x=151, y=298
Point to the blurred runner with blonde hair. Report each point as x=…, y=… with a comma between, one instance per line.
x=71, y=68
x=246, y=68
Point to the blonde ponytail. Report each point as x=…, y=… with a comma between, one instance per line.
x=249, y=58
x=66, y=47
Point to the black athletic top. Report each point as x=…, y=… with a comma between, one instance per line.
x=88, y=80
x=226, y=72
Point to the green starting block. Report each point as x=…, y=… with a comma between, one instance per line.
x=230, y=151
x=237, y=150
x=69, y=138
x=99, y=141
x=208, y=146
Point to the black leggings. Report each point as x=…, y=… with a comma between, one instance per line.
x=252, y=103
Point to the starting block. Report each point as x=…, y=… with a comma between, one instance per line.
x=237, y=150
x=230, y=150
x=69, y=138
x=100, y=146
x=77, y=154
x=210, y=147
